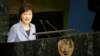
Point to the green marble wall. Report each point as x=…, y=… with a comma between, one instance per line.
x=3, y=20
x=83, y=46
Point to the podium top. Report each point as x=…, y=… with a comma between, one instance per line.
x=51, y=32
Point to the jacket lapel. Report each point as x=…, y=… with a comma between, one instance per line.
x=30, y=30
x=22, y=29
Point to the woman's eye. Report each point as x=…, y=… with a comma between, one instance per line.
x=25, y=14
x=29, y=14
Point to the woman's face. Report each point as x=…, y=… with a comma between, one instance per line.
x=26, y=17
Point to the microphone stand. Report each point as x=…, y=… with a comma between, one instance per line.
x=51, y=32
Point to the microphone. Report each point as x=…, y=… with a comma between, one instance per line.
x=44, y=27
x=51, y=32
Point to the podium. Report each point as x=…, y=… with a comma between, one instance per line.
x=81, y=44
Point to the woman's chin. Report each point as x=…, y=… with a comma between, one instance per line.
x=27, y=22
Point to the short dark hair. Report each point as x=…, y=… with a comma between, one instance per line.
x=25, y=7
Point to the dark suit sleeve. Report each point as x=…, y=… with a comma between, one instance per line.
x=94, y=5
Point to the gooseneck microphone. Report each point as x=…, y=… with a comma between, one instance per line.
x=51, y=32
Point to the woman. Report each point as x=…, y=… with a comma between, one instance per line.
x=23, y=30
